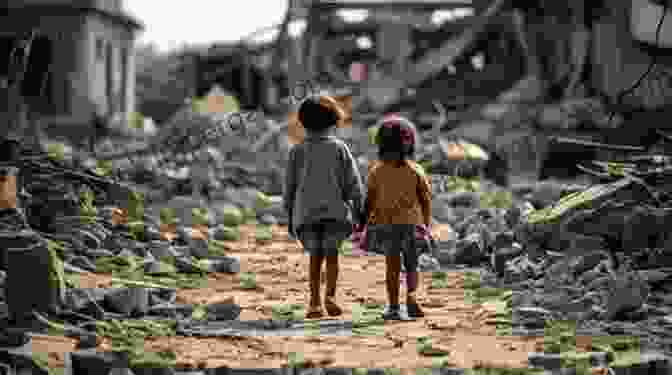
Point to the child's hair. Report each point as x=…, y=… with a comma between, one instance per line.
x=397, y=139
x=318, y=113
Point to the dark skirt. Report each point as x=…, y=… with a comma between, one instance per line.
x=324, y=237
x=395, y=239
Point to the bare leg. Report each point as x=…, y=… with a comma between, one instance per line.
x=411, y=303
x=332, y=278
x=315, y=309
x=392, y=269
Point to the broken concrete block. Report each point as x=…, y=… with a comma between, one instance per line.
x=91, y=361
x=504, y=240
x=128, y=301
x=199, y=247
x=500, y=256
x=225, y=264
x=642, y=230
x=627, y=293
x=268, y=219
x=469, y=250
x=160, y=249
x=583, y=263
x=530, y=316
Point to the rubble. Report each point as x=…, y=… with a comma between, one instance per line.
x=566, y=251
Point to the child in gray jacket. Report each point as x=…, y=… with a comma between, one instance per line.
x=324, y=196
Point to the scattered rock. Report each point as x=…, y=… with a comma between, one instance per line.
x=502, y=255
x=128, y=301
x=628, y=293
x=268, y=219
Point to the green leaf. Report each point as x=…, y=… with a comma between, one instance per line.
x=262, y=201
x=200, y=216
x=295, y=359
x=373, y=135
x=200, y=313
x=136, y=120
x=424, y=347
x=439, y=284
x=167, y=215
x=248, y=280
x=103, y=167
x=440, y=362
x=56, y=151
x=264, y=233
x=164, y=268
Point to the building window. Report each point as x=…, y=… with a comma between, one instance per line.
x=100, y=49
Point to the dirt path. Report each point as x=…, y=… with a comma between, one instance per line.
x=460, y=328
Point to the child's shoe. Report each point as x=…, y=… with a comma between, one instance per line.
x=392, y=312
x=414, y=310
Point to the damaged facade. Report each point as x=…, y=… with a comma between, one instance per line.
x=87, y=47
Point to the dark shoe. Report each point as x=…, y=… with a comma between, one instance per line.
x=414, y=310
x=392, y=312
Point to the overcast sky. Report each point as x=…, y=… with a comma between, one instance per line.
x=169, y=24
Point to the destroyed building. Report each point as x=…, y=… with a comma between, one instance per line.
x=83, y=58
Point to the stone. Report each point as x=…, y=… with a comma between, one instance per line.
x=504, y=240
x=522, y=299
x=99, y=253
x=443, y=213
x=91, y=361
x=548, y=361
x=88, y=238
x=469, y=250
x=606, y=223
x=588, y=261
x=627, y=293
x=224, y=264
x=577, y=243
x=83, y=263
x=225, y=233
x=128, y=301
x=171, y=310
x=589, y=276
x=547, y=193
x=599, y=282
x=153, y=234
x=461, y=199
x=268, y=219
x=642, y=230
x=199, y=247
x=223, y=311
x=428, y=263
x=81, y=298
x=500, y=256
x=184, y=264
x=655, y=276
x=228, y=214
x=531, y=316
x=181, y=251
x=160, y=249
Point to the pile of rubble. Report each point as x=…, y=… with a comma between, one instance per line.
x=67, y=223
x=598, y=255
